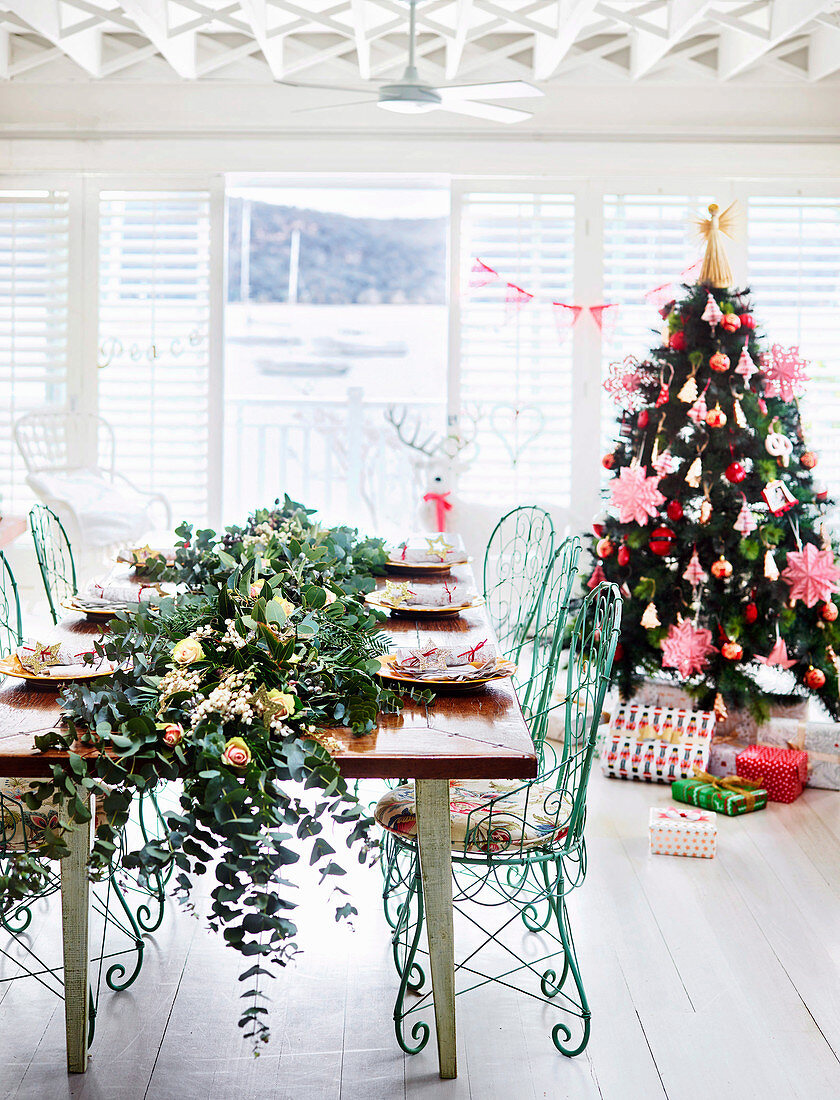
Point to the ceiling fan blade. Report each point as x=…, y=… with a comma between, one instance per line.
x=329, y=87
x=491, y=111
x=498, y=89
x=331, y=106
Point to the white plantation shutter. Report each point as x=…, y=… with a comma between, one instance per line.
x=34, y=246
x=794, y=265
x=154, y=312
x=648, y=241
x=518, y=373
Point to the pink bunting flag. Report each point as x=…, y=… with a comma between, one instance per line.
x=661, y=295
x=605, y=316
x=481, y=274
x=515, y=299
x=565, y=318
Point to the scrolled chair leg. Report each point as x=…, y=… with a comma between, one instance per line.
x=406, y=938
x=393, y=880
x=420, y=1030
x=115, y=975
x=148, y=920
x=561, y=1034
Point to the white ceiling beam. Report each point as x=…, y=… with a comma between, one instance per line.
x=362, y=12
x=738, y=51
x=5, y=53
x=823, y=52
x=464, y=10
x=272, y=45
x=178, y=48
x=44, y=17
x=551, y=47
x=647, y=49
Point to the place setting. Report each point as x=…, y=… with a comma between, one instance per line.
x=444, y=668
x=100, y=601
x=444, y=600
x=426, y=555
x=48, y=664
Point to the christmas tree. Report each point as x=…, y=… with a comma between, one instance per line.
x=715, y=526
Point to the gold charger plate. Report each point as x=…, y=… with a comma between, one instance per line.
x=93, y=614
x=423, y=611
x=387, y=673
x=423, y=568
x=11, y=666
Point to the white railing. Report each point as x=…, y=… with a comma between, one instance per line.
x=341, y=457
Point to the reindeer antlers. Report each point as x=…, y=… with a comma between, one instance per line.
x=397, y=415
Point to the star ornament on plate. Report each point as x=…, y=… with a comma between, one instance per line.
x=396, y=593
x=784, y=373
x=687, y=647
x=811, y=575
x=636, y=495
x=778, y=655
x=439, y=547
x=39, y=655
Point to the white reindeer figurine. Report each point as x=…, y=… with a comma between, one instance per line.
x=437, y=462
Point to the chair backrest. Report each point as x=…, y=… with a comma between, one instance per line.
x=11, y=630
x=516, y=562
x=535, y=681
x=55, y=556
x=50, y=440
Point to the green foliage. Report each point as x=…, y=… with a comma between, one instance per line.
x=719, y=604
x=231, y=686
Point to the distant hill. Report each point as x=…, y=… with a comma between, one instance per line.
x=342, y=259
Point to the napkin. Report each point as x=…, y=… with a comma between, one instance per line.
x=433, y=662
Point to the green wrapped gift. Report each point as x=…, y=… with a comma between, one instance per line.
x=728, y=795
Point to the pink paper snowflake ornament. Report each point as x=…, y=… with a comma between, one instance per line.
x=624, y=383
x=712, y=313
x=636, y=495
x=746, y=367
x=811, y=575
x=784, y=373
x=687, y=647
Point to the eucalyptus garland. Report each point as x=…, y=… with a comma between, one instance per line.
x=231, y=686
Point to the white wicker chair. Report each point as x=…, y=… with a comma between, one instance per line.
x=97, y=505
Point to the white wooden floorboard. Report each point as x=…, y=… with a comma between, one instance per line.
x=706, y=978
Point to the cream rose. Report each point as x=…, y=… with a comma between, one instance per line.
x=255, y=589
x=173, y=734
x=236, y=753
x=286, y=606
x=281, y=703
x=331, y=596
x=187, y=651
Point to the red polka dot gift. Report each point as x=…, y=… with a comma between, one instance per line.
x=782, y=772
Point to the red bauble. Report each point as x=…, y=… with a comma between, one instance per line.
x=721, y=568
x=623, y=555
x=750, y=612
x=662, y=541
x=735, y=472
x=608, y=461
x=716, y=417
x=605, y=548
x=619, y=652
x=820, y=492
x=809, y=460
x=674, y=510
x=732, y=651
x=720, y=362
x=676, y=341
x=814, y=678
x=747, y=321
x=644, y=417
x=731, y=322
x=829, y=611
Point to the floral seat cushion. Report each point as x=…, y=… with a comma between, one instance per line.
x=22, y=829
x=487, y=816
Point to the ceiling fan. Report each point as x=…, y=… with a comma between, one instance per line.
x=410, y=96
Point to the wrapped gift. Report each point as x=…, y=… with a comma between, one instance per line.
x=722, y=755
x=731, y=796
x=682, y=832
x=821, y=740
x=656, y=744
x=781, y=771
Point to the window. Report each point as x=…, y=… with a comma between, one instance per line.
x=337, y=308
x=34, y=246
x=648, y=241
x=154, y=314
x=794, y=262
x=515, y=367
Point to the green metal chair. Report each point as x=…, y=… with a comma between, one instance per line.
x=55, y=556
x=11, y=628
x=516, y=561
x=519, y=852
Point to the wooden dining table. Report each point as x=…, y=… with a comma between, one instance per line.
x=477, y=735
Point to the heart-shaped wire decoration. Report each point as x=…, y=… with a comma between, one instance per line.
x=517, y=427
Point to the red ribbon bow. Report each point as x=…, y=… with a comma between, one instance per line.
x=470, y=653
x=442, y=506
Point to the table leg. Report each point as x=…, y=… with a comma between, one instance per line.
x=75, y=890
x=434, y=839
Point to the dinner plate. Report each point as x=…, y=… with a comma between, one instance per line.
x=390, y=675
x=411, y=611
x=11, y=666
x=94, y=614
x=422, y=568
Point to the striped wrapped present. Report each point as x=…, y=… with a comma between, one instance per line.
x=656, y=744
